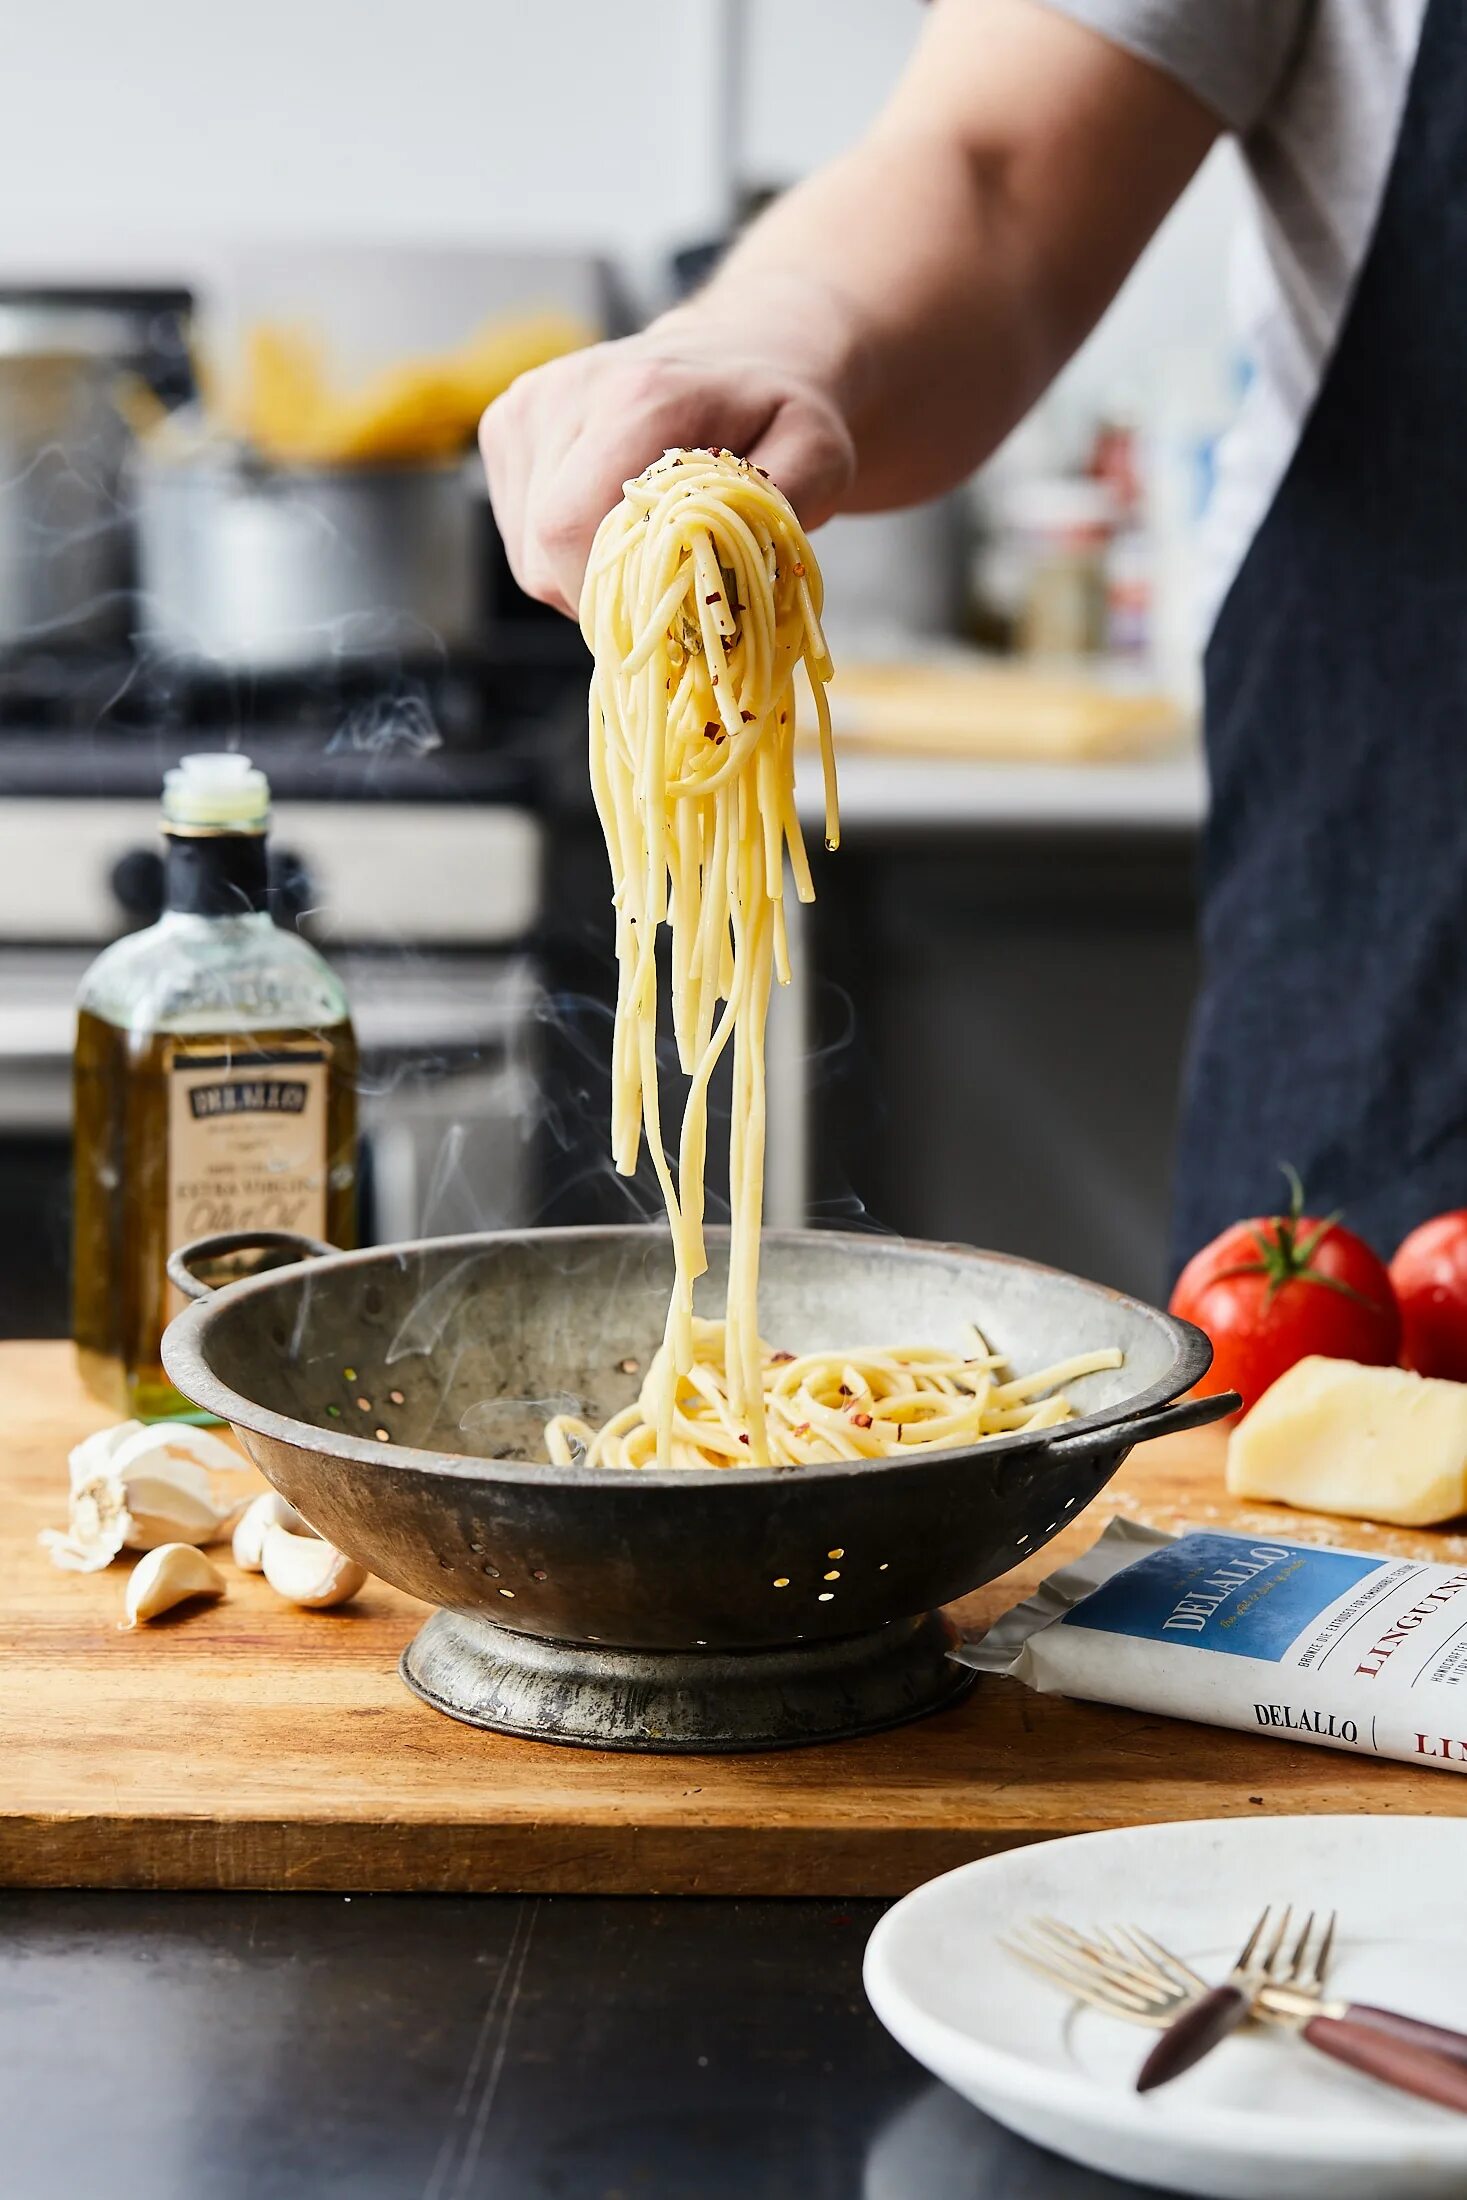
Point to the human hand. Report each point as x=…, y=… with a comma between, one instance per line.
x=562, y=440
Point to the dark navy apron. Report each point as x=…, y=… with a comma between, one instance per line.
x=1331, y=1031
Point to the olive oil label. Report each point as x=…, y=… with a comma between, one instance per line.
x=247, y=1146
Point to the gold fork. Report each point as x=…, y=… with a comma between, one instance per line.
x=1127, y=1974
x=1130, y=1975
x=1267, y=1963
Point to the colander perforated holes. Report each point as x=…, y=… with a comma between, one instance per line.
x=538, y=1573
x=397, y=1397
x=826, y=1596
x=491, y=1571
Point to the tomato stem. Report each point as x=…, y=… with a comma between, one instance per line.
x=1284, y=1258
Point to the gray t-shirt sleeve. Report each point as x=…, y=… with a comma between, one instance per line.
x=1233, y=54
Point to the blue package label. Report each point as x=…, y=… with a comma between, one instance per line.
x=1223, y=1592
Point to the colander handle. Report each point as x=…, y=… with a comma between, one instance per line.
x=180, y=1262
x=1139, y=1428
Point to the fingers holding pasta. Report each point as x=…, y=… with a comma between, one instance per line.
x=562, y=440
x=808, y=451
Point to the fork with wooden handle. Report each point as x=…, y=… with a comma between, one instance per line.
x=1130, y=1975
x=1282, y=1981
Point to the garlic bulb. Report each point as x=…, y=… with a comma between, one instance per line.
x=168, y=1576
x=270, y=1510
x=135, y=1487
x=308, y=1571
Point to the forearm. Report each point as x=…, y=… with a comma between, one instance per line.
x=937, y=277
x=895, y=281
x=888, y=322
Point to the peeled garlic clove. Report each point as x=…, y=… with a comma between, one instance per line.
x=168, y=1576
x=269, y=1510
x=307, y=1570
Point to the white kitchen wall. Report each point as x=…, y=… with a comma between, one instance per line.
x=446, y=120
x=132, y=136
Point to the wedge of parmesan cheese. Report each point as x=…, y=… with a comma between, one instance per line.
x=1374, y=1443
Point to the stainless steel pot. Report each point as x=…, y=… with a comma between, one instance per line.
x=397, y=1397
x=252, y=568
x=66, y=550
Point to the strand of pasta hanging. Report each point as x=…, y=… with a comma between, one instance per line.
x=701, y=598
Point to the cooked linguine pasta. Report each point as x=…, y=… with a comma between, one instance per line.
x=702, y=598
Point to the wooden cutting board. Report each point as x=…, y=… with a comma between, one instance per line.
x=253, y=1745
x=992, y=711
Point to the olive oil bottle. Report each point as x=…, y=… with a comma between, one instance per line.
x=214, y=1085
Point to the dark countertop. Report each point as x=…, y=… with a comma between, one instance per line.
x=310, y=2047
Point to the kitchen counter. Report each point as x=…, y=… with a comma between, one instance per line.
x=538, y=2046
x=891, y=795
x=315, y=2047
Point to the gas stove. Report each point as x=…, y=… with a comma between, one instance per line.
x=357, y=756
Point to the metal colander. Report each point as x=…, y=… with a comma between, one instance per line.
x=397, y=1397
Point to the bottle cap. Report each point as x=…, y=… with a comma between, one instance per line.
x=221, y=792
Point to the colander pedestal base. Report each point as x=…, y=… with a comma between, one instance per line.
x=676, y=1701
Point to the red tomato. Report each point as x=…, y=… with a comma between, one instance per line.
x=1430, y=1276
x=1273, y=1290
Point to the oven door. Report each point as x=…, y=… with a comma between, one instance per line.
x=449, y=1049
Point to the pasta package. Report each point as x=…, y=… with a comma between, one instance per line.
x=1345, y=1649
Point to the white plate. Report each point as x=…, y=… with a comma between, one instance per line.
x=1264, y=2117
